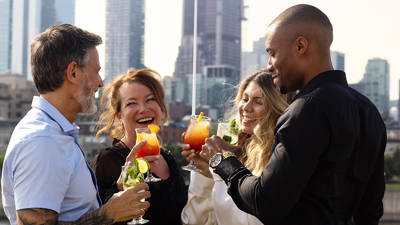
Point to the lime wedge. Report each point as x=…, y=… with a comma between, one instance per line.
x=129, y=181
x=143, y=165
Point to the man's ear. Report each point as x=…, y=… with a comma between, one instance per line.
x=71, y=73
x=301, y=45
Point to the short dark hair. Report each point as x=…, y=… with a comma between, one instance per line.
x=54, y=49
x=303, y=13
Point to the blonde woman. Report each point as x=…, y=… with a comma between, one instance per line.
x=133, y=100
x=259, y=105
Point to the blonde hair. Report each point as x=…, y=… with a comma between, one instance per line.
x=257, y=148
x=110, y=103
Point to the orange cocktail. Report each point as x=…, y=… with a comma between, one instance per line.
x=197, y=132
x=151, y=147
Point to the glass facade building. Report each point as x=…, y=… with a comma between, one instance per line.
x=124, y=44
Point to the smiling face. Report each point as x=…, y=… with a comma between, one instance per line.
x=139, y=107
x=282, y=61
x=251, y=108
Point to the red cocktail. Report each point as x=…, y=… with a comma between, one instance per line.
x=196, y=135
x=151, y=147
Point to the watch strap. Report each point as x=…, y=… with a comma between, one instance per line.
x=227, y=154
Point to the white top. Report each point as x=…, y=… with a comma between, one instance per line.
x=44, y=166
x=209, y=203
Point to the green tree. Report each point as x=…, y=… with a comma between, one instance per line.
x=396, y=162
x=392, y=166
x=388, y=168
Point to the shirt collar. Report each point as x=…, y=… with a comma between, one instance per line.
x=331, y=76
x=42, y=104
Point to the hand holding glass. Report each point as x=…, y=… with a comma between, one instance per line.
x=195, y=136
x=132, y=176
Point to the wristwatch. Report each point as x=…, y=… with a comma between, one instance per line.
x=217, y=158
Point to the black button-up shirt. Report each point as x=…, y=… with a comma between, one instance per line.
x=327, y=161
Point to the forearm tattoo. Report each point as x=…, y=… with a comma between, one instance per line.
x=36, y=216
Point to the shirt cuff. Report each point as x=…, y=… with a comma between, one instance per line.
x=200, y=185
x=227, y=168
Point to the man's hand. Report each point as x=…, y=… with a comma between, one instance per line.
x=125, y=205
x=216, y=145
x=121, y=207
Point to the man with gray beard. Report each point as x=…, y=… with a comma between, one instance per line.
x=46, y=178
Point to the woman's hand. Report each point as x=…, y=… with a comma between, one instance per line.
x=129, y=160
x=158, y=166
x=190, y=155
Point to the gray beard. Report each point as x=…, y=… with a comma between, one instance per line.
x=89, y=106
x=86, y=99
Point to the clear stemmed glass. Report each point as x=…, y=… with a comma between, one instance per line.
x=150, y=148
x=228, y=131
x=195, y=136
x=129, y=181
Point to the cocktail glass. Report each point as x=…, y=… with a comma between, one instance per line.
x=195, y=136
x=129, y=181
x=227, y=131
x=150, y=148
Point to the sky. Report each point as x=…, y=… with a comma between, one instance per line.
x=363, y=29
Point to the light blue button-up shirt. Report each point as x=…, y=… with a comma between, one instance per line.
x=44, y=166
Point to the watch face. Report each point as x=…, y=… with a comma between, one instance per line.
x=216, y=160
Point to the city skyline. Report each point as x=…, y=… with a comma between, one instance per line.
x=368, y=32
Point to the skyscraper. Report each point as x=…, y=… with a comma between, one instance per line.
x=219, y=35
x=376, y=79
x=5, y=35
x=124, y=44
x=337, y=59
x=30, y=17
x=256, y=59
x=218, y=51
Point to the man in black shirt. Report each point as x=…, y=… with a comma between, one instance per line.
x=327, y=161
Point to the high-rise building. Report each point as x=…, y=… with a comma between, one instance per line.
x=376, y=79
x=17, y=98
x=124, y=44
x=218, y=51
x=5, y=35
x=256, y=59
x=337, y=59
x=173, y=89
x=398, y=104
x=35, y=16
x=218, y=35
